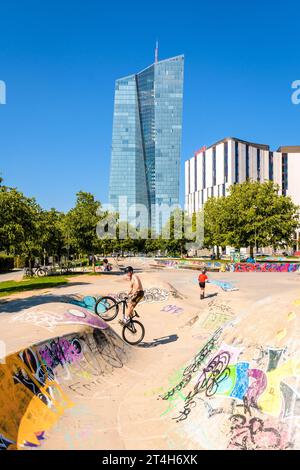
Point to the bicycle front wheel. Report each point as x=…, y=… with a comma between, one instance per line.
x=134, y=332
x=41, y=272
x=107, y=308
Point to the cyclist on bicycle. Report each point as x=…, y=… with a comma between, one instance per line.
x=135, y=294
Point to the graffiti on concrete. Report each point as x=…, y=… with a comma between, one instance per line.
x=61, y=351
x=262, y=393
x=255, y=434
x=226, y=286
x=184, y=263
x=266, y=267
x=87, y=302
x=233, y=267
x=49, y=317
x=172, y=309
x=215, y=319
x=192, y=368
x=31, y=397
x=214, y=374
x=263, y=390
x=154, y=294
x=218, y=315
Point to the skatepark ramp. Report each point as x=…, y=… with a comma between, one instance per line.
x=208, y=376
x=37, y=382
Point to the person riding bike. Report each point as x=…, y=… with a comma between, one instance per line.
x=135, y=294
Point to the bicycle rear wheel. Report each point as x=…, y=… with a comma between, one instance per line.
x=107, y=308
x=134, y=332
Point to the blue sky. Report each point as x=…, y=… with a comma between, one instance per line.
x=60, y=59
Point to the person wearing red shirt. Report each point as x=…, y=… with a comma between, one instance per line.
x=202, y=280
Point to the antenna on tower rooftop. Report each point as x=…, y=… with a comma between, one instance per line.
x=156, y=52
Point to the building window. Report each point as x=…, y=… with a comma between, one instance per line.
x=247, y=162
x=214, y=166
x=271, y=166
x=203, y=170
x=226, y=162
x=284, y=173
x=258, y=164
x=236, y=162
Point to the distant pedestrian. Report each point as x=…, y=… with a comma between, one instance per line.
x=106, y=265
x=202, y=278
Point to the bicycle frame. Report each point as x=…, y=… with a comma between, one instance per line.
x=125, y=305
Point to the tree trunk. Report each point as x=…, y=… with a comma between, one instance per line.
x=93, y=263
x=251, y=251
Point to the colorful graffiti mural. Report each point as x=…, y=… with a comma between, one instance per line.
x=266, y=267
x=50, y=315
x=226, y=286
x=265, y=394
x=183, y=263
x=31, y=400
x=31, y=395
x=232, y=266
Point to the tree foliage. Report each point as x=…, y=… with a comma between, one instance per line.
x=253, y=214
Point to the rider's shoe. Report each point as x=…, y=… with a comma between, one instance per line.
x=124, y=322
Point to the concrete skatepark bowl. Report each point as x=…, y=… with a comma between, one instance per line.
x=222, y=373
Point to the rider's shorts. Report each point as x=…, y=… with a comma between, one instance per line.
x=136, y=297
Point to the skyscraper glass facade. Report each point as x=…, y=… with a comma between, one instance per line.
x=146, y=143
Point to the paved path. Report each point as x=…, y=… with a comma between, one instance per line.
x=15, y=275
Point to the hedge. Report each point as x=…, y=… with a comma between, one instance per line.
x=6, y=263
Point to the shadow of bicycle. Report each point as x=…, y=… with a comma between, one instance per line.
x=159, y=341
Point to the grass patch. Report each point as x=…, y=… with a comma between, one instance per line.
x=12, y=287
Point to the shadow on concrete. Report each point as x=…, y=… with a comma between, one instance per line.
x=159, y=341
x=210, y=295
x=16, y=305
x=110, y=273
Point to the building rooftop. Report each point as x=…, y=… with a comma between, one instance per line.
x=289, y=149
x=260, y=146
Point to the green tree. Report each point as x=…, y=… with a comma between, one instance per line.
x=214, y=223
x=81, y=223
x=19, y=227
x=53, y=240
x=174, y=238
x=255, y=214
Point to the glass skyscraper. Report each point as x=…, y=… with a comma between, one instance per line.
x=146, y=142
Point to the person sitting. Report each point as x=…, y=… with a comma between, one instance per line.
x=106, y=266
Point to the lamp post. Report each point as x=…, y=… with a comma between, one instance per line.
x=255, y=207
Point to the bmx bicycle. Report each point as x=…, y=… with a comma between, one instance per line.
x=107, y=308
x=39, y=271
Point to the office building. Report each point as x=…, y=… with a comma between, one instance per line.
x=211, y=171
x=146, y=142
